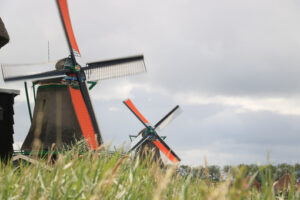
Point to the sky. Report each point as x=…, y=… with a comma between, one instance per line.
x=231, y=65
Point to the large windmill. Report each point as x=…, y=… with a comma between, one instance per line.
x=148, y=137
x=63, y=110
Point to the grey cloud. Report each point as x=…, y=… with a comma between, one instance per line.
x=231, y=47
x=216, y=47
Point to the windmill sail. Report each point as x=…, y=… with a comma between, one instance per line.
x=13, y=72
x=64, y=13
x=168, y=118
x=137, y=113
x=115, y=68
x=163, y=147
x=73, y=47
x=138, y=142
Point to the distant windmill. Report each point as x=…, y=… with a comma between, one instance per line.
x=63, y=110
x=148, y=140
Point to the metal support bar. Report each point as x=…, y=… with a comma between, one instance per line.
x=92, y=84
x=163, y=137
x=33, y=89
x=28, y=103
x=132, y=136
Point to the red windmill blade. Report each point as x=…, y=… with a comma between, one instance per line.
x=163, y=147
x=135, y=111
x=151, y=133
x=65, y=18
x=86, y=116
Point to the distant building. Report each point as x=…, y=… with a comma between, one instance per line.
x=7, y=122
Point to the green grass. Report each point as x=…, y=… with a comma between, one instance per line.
x=103, y=175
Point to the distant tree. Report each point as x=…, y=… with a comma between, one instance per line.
x=251, y=169
x=265, y=173
x=214, y=173
x=297, y=172
x=198, y=172
x=184, y=170
x=227, y=169
x=282, y=169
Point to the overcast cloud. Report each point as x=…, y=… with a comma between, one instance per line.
x=233, y=66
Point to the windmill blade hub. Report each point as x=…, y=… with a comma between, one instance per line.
x=150, y=131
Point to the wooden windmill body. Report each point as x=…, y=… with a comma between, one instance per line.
x=55, y=122
x=148, y=150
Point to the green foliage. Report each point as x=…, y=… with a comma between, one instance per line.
x=104, y=175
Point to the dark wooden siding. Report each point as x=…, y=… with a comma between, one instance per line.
x=6, y=125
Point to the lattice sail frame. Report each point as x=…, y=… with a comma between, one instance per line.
x=115, y=71
x=16, y=70
x=95, y=71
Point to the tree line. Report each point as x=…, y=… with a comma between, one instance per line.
x=215, y=173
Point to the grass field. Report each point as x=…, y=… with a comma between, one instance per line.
x=115, y=176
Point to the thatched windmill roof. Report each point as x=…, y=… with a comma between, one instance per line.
x=4, y=37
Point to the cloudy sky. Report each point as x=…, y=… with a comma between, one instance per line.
x=233, y=67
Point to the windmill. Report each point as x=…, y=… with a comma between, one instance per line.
x=148, y=136
x=63, y=109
